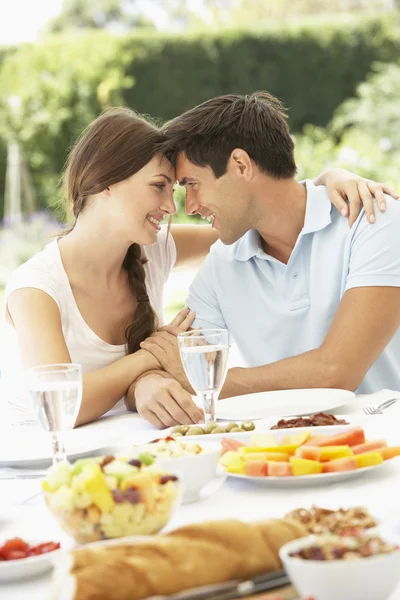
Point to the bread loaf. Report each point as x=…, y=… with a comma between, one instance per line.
x=191, y=556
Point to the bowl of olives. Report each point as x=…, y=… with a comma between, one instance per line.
x=216, y=430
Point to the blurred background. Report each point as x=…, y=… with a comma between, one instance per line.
x=334, y=63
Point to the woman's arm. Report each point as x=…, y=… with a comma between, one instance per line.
x=36, y=318
x=193, y=243
x=349, y=193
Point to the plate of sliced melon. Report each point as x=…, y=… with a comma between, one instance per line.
x=284, y=459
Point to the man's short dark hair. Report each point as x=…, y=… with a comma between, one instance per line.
x=208, y=133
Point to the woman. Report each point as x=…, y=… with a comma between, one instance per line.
x=94, y=294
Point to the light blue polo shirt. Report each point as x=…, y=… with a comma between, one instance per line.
x=275, y=311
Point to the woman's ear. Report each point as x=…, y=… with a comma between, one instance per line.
x=107, y=191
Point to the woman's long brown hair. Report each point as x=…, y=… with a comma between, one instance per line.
x=115, y=146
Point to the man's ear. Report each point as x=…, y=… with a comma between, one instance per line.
x=241, y=164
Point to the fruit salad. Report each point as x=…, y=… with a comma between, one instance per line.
x=304, y=454
x=105, y=497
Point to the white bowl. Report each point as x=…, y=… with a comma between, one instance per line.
x=194, y=470
x=23, y=568
x=390, y=530
x=373, y=578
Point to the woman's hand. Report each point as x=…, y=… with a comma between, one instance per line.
x=349, y=193
x=181, y=322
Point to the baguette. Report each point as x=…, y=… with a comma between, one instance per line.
x=191, y=556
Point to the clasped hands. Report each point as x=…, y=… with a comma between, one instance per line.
x=164, y=397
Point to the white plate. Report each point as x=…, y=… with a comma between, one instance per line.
x=24, y=568
x=306, y=480
x=32, y=448
x=283, y=403
x=264, y=426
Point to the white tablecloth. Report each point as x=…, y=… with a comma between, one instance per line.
x=223, y=498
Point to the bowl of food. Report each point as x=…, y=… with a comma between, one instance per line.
x=195, y=463
x=211, y=430
x=328, y=567
x=20, y=559
x=105, y=497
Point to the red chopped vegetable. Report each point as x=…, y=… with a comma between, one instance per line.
x=17, y=548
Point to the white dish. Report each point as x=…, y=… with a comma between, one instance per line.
x=303, y=480
x=24, y=568
x=195, y=471
x=264, y=426
x=35, y=448
x=245, y=436
x=282, y=403
x=306, y=480
x=373, y=578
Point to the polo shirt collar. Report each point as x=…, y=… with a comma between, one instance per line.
x=248, y=246
x=317, y=217
x=318, y=208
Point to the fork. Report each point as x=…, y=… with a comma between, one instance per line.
x=378, y=410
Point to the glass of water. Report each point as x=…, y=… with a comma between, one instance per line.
x=204, y=354
x=56, y=394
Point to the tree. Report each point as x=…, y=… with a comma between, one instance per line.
x=250, y=12
x=99, y=14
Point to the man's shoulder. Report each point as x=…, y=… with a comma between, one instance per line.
x=386, y=222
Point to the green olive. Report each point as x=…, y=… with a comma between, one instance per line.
x=231, y=426
x=209, y=428
x=219, y=430
x=196, y=430
x=236, y=430
x=181, y=429
x=177, y=434
x=248, y=426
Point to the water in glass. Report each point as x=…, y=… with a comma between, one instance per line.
x=204, y=355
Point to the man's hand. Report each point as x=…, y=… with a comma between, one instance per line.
x=164, y=347
x=349, y=193
x=163, y=402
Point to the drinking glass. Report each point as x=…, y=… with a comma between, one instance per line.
x=204, y=355
x=56, y=394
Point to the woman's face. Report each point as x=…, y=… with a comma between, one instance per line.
x=138, y=204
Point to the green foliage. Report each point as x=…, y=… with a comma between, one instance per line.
x=317, y=149
x=63, y=84
x=312, y=68
x=97, y=14
x=65, y=81
x=375, y=110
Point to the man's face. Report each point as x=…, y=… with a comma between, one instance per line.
x=223, y=201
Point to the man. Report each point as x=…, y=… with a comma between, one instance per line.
x=308, y=301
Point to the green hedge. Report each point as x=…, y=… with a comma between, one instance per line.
x=312, y=68
x=65, y=81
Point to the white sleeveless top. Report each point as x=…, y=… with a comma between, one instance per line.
x=45, y=271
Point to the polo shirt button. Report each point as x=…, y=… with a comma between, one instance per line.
x=295, y=275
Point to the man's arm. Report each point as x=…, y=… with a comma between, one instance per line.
x=366, y=319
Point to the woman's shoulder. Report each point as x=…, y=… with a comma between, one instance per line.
x=41, y=271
